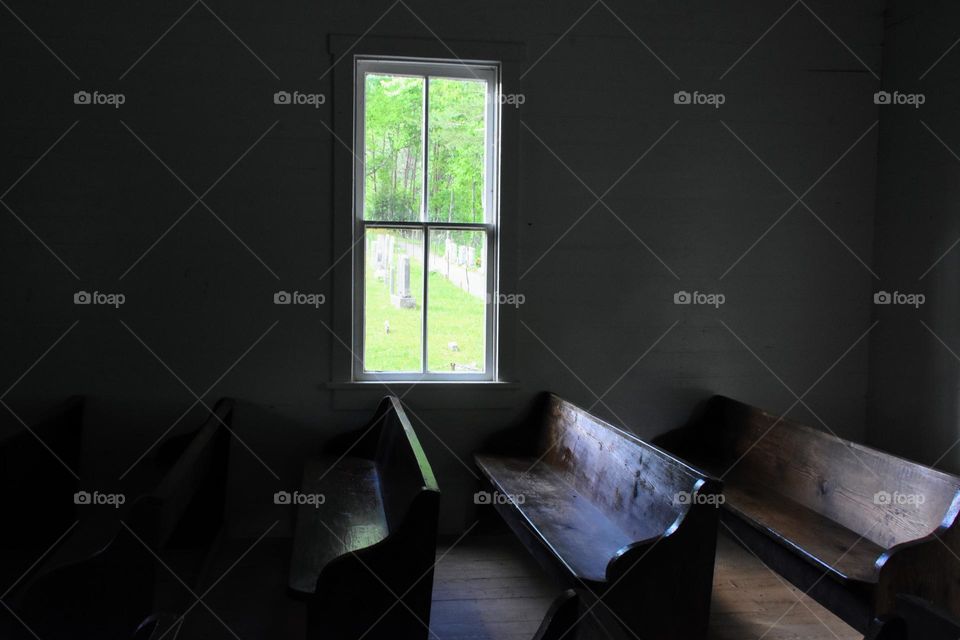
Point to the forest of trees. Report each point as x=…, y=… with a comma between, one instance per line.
x=394, y=148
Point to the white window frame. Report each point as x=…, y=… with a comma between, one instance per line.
x=426, y=68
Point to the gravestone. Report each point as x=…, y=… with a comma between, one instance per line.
x=380, y=261
x=400, y=285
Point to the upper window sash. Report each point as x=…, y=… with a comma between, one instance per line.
x=489, y=73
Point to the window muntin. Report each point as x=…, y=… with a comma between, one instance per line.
x=425, y=223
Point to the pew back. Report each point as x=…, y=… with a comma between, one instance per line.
x=638, y=486
x=886, y=499
x=402, y=466
x=192, y=494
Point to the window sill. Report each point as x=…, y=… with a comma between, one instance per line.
x=433, y=394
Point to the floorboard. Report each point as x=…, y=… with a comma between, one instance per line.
x=488, y=588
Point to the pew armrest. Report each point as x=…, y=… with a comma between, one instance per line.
x=692, y=534
x=924, y=567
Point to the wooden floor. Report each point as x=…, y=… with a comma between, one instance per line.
x=751, y=602
x=488, y=588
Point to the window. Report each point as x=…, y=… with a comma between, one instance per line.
x=425, y=211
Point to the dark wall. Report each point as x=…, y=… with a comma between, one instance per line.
x=914, y=369
x=599, y=288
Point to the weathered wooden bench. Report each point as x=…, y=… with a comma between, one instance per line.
x=365, y=540
x=630, y=528
x=90, y=588
x=850, y=525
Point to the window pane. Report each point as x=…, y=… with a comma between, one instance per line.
x=393, y=143
x=456, y=301
x=457, y=139
x=393, y=300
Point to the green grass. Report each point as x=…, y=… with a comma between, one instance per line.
x=454, y=316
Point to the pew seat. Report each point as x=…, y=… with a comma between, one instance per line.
x=581, y=535
x=829, y=545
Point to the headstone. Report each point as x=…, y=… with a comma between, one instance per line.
x=400, y=289
x=403, y=288
x=380, y=257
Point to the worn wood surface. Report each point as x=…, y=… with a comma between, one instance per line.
x=852, y=524
x=351, y=517
x=830, y=545
x=486, y=589
x=583, y=538
x=364, y=558
x=631, y=481
x=835, y=477
x=629, y=526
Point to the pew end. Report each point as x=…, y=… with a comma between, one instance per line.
x=373, y=540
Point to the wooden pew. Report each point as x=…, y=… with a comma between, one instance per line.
x=850, y=525
x=630, y=528
x=92, y=589
x=36, y=488
x=363, y=559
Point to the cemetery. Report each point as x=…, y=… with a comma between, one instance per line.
x=456, y=307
